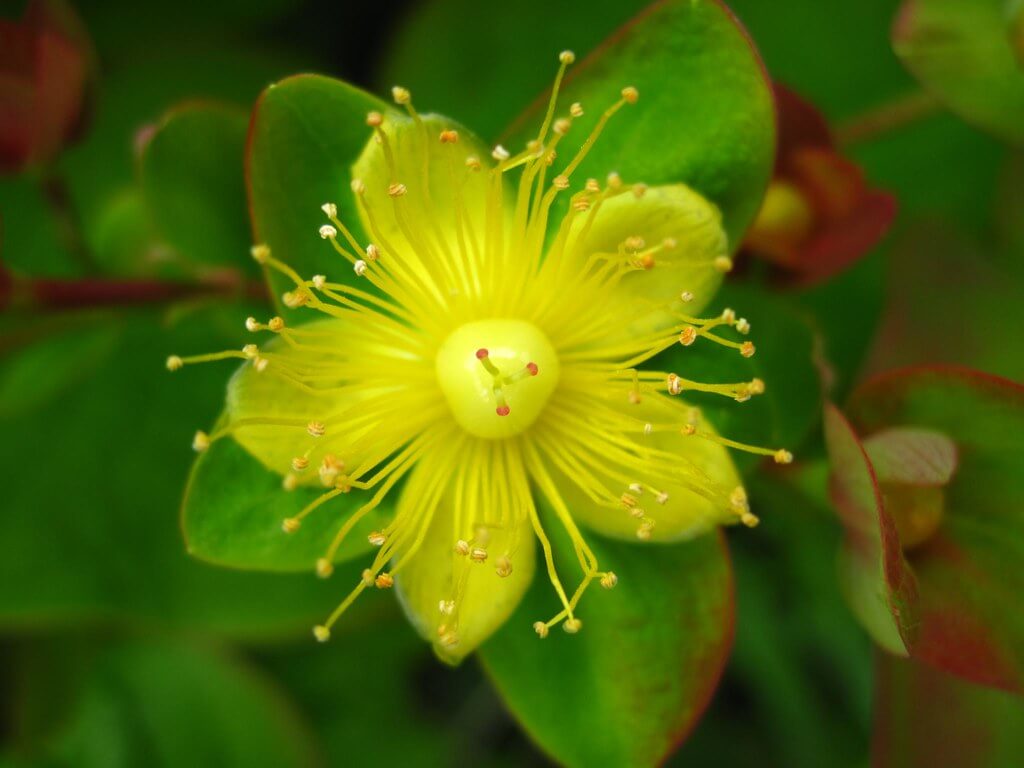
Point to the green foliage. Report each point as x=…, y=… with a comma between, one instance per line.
x=635, y=679
x=963, y=51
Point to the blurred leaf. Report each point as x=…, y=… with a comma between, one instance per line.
x=192, y=178
x=927, y=719
x=164, y=704
x=791, y=403
x=705, y=115
x=125, y=243
x=911, y=455
x=48, y=361
x=969, y=614
x=31, y=237
x=307, y=131
x=636, y=678
x=878, y=584
x=962, y=51
x=234, y=507
x=93, y=482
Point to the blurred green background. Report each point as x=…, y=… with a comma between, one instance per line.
x=118, y=649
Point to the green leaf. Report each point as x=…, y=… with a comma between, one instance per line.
x=192, y=179
x=141, y=699
x=234, y=507
x=926, y=718
x=705, y=115
x=970, y=610
x=790, y=406
x=93, y=480
x=912, y=455
x=876, y=580
x=963, y=52
x=307, y=131
x=633, y=682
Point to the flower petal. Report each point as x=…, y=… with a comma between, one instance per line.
x=422, y=201
x=685, y=513
x=481, y=599
x=674, y=217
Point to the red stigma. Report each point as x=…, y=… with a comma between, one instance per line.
x=503, y=410
x=532, y=368
x=481, y=353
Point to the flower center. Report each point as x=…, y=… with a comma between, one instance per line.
x=497, y=375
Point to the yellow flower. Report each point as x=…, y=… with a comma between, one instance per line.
x=491, y=361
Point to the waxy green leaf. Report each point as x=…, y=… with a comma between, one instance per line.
x=705, y=115
x=633, y=682
x=306, y=133
x=234, y=508
x=965, y=52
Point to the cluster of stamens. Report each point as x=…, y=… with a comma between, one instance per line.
x=375, y=414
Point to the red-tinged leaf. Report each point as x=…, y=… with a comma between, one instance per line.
x=879, y=585
x=819, y=215
x=970, y=607
x=629, y=687
x=925, y=718
x=912, y=455
x=45, y=62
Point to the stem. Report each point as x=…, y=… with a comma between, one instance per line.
x=887, y=117
x=50, y=294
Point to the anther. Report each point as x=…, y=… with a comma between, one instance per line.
x=330, y=209
x=749, y=519
x=260, y=364
x=648, y=429
x=478, y=555
x=321, y=633
x=384, y=581
x=634, y=243
x=316, y=429
x=401, y=95
x=290, y=524
x=324, y=568
x=500, y=154
x=330, y=468
x=669, y=243
x=448, y=637
x=634, y=397
x=643, y=533
x=560, y=182
x=723, y=264
x=357, y=186
x=377, y=538
x=446, y=607
x=572, y=626
x=561, y=126
x=532, y=369
x=756, y=386
x=300, y=464
x=359, y=267
x=747, y=349
x=374, y=119
x=294, y=299
x=636, y=488
x=630, y=94
x=614, y=181
x=686, y=296
x=473, y=163
x=276, y=324
x=567, y=57
x=738, y=499
x=462, y=547
x=576, y=109
x=397, y=189
x=609, y=580
x=782, y=456
x=592, y=185
x=541, y=629
x=319, y=281
x=372, y=252
x=639, y=190
x=674, y=384
x=174, y=363
x=260, y=253
x=251, y=325
x=728, y=315
x=200, y=441
x=289, y=482
x=661, y=497
x=689, y=429
x=449, y=137
x=743, y=326
x=367, y=577
x=688, y=335
x=581, y=205
x=503, y=567
x=628, y=500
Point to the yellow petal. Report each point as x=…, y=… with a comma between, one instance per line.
x=686, y=231
x=424, y=198
x=481, y=600
x=269, y=395
x=684, y=513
